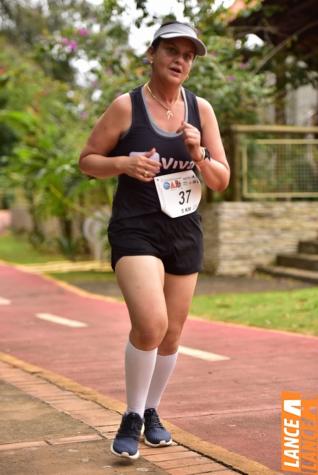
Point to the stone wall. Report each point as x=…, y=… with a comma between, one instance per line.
x=241, y=235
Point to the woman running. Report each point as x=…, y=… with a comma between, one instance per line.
x=158, y=139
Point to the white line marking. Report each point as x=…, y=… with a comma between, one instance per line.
x=61, y=320
x=203, y=355
x=4, y=301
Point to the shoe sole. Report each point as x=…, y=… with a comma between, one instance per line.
x=124, y=454
x=162, y=443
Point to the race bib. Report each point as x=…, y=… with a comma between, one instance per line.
x=179, y=193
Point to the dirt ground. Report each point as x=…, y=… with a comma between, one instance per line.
x=210, y=284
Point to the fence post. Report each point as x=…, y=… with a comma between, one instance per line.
x=235, y=156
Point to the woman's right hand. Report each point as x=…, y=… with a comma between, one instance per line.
x=141, y=167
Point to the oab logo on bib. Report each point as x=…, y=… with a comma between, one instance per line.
x=179, y=193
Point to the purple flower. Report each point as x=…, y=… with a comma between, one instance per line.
x=94, y=83
x=83, y=31
x=72, y=44
x=230, y=78
x=83, y=115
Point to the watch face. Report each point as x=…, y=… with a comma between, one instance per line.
x=207, y=155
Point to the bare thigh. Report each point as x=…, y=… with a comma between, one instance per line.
x=141, y=280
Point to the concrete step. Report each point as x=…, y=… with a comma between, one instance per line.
x=298, y=260
x=308, y=247
x=290, y=273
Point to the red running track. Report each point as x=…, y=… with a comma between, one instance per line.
x=234, y=403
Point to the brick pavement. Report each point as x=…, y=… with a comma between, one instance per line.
x=49, y=430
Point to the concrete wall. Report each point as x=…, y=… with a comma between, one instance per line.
x=240, y=235
x=302, y=105
x=21, y=219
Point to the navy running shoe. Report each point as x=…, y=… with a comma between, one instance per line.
x=126, y=441
x=155, y=434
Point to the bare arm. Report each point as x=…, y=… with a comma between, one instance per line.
x=216, y=172
x=94, y=160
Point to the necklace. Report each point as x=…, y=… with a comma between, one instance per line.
x=168, y=109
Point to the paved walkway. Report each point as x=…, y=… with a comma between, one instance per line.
x=48, y=430
x=222, y=402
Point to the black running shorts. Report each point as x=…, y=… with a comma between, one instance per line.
x=177, y=242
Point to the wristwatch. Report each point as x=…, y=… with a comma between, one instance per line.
x=205, y=154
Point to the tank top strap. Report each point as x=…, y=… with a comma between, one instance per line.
x=139, y=118
x=193, y=110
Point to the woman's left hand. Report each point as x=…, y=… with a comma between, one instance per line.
x=192, y=140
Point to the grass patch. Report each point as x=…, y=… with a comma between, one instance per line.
x=17, y=249
x=293, y=310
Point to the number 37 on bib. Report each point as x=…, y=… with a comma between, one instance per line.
x=179, y=193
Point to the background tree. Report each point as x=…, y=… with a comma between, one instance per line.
x=48, y=108
x=289, y=30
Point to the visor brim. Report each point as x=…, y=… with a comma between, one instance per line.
x=199, y=45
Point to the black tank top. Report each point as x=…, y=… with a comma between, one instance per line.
x=134, y=197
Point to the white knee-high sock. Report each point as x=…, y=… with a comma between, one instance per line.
x=162, y=372
x=139, y=367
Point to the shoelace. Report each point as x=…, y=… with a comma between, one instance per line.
x=130, y=426
x=154, y=420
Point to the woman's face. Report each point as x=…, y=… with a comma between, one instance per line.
x=173, y=59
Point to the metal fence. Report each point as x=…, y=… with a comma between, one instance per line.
x=269, y=163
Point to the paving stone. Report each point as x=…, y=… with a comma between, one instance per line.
x=170, y=456
x=198, y=469
x=199, y=460
x=76, y=438
x=22, y=445
x=86, y=458
x=24, y=418
x=73, y=448
x=146, y=450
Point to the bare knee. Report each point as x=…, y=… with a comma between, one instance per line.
x=171, y=340
x=148, y=337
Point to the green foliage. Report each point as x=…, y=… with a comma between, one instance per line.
x=46, y=113
x=44, y=135
x=228, y=83
x=63, y=32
